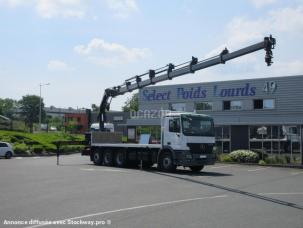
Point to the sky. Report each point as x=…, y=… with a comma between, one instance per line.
x=82, y=47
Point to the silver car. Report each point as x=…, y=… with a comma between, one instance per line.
x=6, y=150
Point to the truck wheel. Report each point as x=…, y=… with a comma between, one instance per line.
x=107, y=158
x=196, y=169
x=8, y=155
x=166, y=162
x=120, y=159
x=97, y=158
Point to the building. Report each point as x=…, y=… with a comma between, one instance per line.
x=76, y=122
x=118, y=118
x=60, y=112
x=248, y=114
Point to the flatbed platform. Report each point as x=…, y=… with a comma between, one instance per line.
x=127, y=145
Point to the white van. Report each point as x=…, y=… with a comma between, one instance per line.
x=6, y=150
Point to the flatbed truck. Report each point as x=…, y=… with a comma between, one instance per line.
x=187, y=139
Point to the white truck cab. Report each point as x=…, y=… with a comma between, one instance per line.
x=190, y=139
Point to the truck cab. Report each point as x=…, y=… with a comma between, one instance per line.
x=187, y=140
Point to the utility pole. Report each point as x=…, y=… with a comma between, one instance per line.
x=40, y=104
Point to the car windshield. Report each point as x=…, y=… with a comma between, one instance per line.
x=194, y=125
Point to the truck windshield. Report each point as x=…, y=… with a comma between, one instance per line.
x=197, y=125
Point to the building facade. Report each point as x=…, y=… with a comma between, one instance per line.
x=248, y=114
x=76, y=122
x=118, y=118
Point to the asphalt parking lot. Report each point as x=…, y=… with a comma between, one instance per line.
x=79, y=194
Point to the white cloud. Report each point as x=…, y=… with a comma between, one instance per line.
x=73, y=8
x=285, y=24
x=122, y=8
x=52, y=8
x=103, y=53
x=57, y=65
x=288, y=68
x=261, y=3
x=60, y=8
x=241, y=31
x=13, y=3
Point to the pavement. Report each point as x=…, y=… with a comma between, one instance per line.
x=35, y=192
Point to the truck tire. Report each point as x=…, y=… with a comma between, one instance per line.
x=166, y=162
x=196, y=169
x=108, y=158
x=120, y=159
x=97, y=158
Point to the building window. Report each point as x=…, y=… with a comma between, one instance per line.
x=222, y=135
x=204, y=106
x=226, y=105
x=258, y=104
x=178, y=107
x=264, y=104
x=232, y=105
x=268, y=104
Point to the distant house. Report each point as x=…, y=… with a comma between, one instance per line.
x=5, y=122
x=75, y=119
x=79, y=121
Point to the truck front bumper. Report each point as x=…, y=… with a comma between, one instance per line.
x=186, y=158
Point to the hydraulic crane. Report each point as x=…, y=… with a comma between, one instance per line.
x=171, y=71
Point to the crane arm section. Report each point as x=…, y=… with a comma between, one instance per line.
x=171, y=71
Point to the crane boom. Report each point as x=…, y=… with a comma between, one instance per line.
x=171, y=71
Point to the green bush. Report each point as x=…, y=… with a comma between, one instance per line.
x=21, y=149
x=262, y=162
x=37, y=149
x=261, y=153
x=224, y=158
x=71, y=149
x=276, y=159
x=244, y=156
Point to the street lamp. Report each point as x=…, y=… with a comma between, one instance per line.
x=40, y=104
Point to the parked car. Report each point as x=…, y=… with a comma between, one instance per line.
x=6, y=150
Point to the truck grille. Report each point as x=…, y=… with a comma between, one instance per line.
x=200, y=148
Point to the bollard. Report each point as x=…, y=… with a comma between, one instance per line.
x=58, y=153
x=141, y=162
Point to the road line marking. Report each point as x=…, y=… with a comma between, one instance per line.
x=282, y=193
x=253, y=170
x=105, y=170
x=223, y=166
x=296, y=173
x=87, y=169
x=36, y=157
x=18, y=158
x=134, y=208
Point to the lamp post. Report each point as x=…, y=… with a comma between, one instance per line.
x=40, y=104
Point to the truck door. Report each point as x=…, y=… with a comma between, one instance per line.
x=172, y=133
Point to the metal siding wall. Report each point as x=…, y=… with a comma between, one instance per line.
x=288, y=97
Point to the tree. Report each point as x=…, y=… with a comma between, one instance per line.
x=132, y=104
x=7, y=107
x=30, y=108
